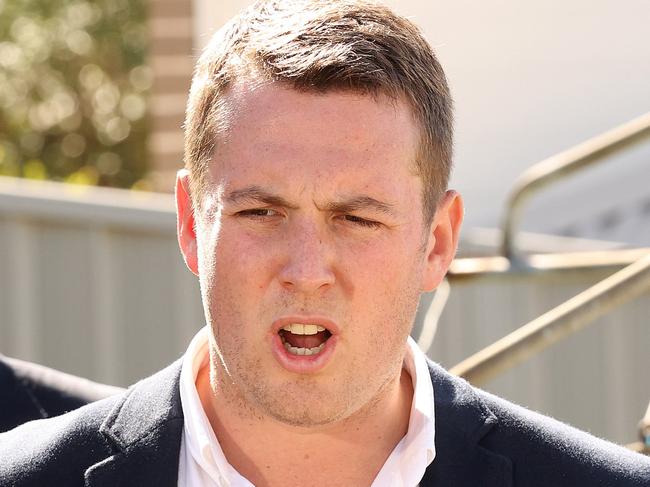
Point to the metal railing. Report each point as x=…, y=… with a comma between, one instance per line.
x=564, y=164
x=556, y=324
x=574, y=314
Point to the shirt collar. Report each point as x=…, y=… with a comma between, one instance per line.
x=414, y=453
x=422, y=420
x=198, y=434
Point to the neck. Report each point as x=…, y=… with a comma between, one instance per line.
x=348, y=452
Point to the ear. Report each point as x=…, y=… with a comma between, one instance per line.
x=443, y=239
x=185, y=221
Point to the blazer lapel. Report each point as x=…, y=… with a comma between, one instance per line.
x=462, y=420
x=144, y=431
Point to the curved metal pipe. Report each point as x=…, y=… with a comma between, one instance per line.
x=563, y=164
x=557, y=323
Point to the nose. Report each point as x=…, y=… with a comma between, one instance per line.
x=308, y=260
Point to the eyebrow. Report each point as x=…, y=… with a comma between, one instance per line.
x=256, y=194
x=360, y=203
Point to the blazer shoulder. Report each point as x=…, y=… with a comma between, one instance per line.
x=541, y=450
x=139, y=429
x=554, y=449
x=61, y=447
x=17, y=403
x=31, y=391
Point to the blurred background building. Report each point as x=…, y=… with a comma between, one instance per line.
x=92, y=93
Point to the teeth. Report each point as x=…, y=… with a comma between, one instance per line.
x=301, y=329
x=310, y=329
x=303, y=351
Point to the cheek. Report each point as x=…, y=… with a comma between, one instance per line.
x=392, y=273
x=207, y=235
x=385, y=280
x=386, y=260
x=242, y=260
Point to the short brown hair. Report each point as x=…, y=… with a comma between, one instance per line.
x=322, y=45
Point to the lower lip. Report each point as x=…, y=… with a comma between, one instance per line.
x=303, y=364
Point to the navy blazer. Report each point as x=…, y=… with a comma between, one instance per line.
x=31, y=391
x=481, y=441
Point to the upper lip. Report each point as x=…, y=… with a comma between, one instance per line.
x=305, y=319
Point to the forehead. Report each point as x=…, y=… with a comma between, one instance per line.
x=260, y=103
x=277, y=135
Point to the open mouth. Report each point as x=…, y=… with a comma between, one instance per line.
x=304, y=339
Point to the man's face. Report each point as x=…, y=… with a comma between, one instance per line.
x=313, y=217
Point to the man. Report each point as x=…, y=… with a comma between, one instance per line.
x=314, y=211
x=31, y=391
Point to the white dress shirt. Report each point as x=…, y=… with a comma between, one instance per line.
x=203, y=464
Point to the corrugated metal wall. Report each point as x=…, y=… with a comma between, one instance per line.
x=92, y=282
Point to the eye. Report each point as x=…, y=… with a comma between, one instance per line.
x=258, y=213
x=362, y=222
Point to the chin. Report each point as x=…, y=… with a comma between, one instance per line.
x=294, y=408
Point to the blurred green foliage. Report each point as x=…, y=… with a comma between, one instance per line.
x=73, y=89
